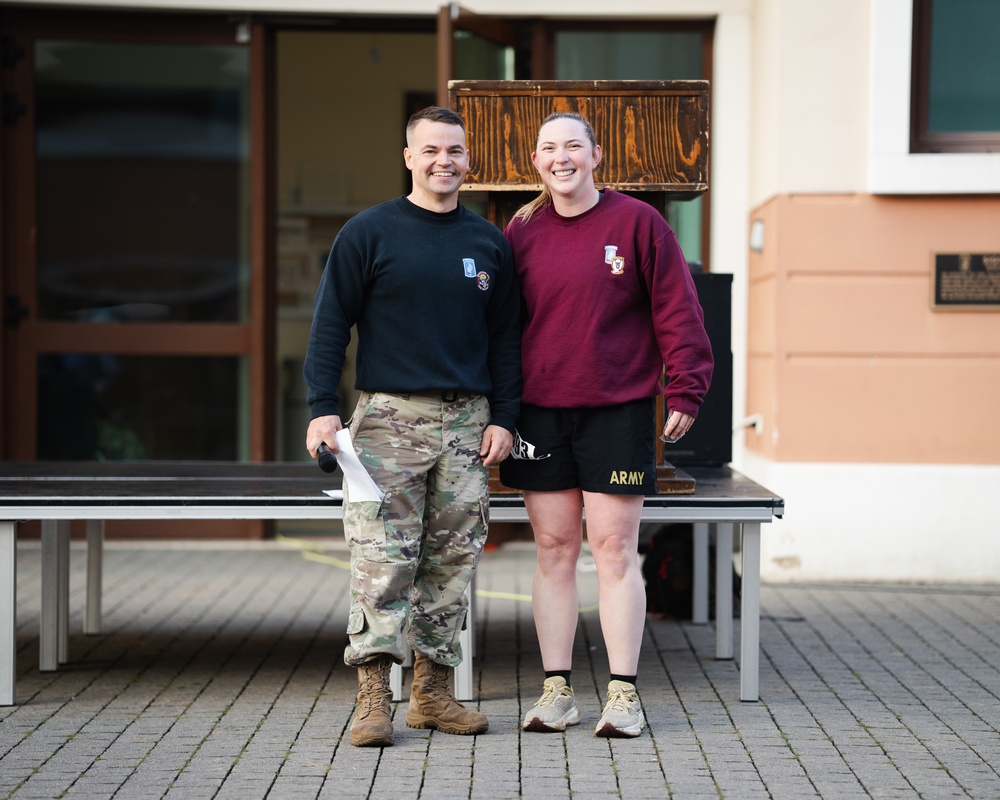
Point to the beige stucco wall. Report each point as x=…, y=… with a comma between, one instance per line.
x=810, y=96
x=840, y=323
x=879, y=421
x=577, y=9
x=848, y=360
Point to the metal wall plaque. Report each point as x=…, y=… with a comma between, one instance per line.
x=966, y=281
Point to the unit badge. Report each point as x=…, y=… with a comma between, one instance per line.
x=470, y=267
x=610, y=250
x=618, y=265
x=483, y=279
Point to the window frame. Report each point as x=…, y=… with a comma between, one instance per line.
x=892, y=168
x=923, y=140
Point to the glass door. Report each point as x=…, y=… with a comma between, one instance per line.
x=128, y=290
x=473, y=46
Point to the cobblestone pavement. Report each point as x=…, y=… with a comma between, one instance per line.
x=219, y=675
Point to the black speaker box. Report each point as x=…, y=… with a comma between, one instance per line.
x=709, y=443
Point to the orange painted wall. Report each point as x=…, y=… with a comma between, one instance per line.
x=847, y=361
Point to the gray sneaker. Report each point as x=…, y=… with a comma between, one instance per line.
x=555, y=709
x=622, y=717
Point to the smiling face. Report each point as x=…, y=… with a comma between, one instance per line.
x=437, y=157
x=565, y=159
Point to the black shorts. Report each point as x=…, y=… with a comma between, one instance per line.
x=609, y=449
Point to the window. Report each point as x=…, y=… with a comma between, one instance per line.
x=620, y=52
x=955, y=104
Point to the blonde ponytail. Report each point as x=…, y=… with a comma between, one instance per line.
x=528, y=210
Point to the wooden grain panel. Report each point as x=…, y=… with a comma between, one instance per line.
x=654, y=134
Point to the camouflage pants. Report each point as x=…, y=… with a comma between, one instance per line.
x=413, y=554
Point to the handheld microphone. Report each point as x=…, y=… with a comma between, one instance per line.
x=327, y=460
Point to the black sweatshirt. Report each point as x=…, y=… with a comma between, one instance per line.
x=435, y=302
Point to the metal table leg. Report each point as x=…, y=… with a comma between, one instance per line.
x=53, y=639
x=8, y=611
x=699, y=589
x=750, y=613
x=723, y=590
x=95, y=576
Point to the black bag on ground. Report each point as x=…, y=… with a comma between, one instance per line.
x=668, y=570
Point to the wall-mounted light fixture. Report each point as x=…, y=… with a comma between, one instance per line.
x=757, y=236
x=243, y=31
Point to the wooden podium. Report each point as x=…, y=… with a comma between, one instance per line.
x=654, y=135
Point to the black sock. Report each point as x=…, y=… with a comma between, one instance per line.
x=624, y=678
x=563, y=672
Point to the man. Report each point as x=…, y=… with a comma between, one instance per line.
x=430, y=288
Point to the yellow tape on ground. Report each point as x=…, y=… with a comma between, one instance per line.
x=524, y=598
x=314, y=552
x=324, y=559
x=521, y=598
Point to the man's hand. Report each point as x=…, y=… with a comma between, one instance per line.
x=497, y=443
x=323, y=429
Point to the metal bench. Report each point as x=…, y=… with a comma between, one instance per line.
x=58, y=492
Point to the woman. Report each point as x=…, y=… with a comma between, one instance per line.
x=608, y=301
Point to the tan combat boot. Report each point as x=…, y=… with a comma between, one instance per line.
x=432, y=704
x=372, y=724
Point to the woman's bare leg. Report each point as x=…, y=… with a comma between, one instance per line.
x=557, y=521
x=613, y=535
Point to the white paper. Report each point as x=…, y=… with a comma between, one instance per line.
x=360, y=485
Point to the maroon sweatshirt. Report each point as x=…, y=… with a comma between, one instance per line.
x=609, y=300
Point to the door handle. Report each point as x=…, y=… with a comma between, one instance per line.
x=14, y=311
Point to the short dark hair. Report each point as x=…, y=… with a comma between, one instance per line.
x=434, y=114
